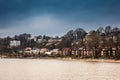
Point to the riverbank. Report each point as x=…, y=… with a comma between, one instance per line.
x=91, y=60
x=71, y=59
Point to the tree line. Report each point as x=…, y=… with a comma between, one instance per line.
x=102, y=38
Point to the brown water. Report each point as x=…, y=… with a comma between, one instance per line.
x=41, y=69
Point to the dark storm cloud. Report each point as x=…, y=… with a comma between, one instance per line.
x=70, y=11
x=8, y=7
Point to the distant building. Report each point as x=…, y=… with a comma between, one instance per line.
x=35, y=51
x=32, y=38
x=55, y=51
x=54, y=41
x=66, y=51
x=15, y=43
x=43, y=50
x=28, y=51
x=39, y=40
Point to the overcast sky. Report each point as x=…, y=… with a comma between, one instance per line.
x=56, y=17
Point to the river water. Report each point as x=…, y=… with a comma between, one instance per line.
x=45, y=69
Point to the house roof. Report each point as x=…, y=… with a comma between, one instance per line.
x=43, y=49
x=27, y=48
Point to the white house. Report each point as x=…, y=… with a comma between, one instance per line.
x=28, y=50
x=55, y=51
x=48, y=53
x=35, y=51
x=15, y=43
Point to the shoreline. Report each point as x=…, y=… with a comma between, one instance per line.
x=92, y=60
x=71, y=59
